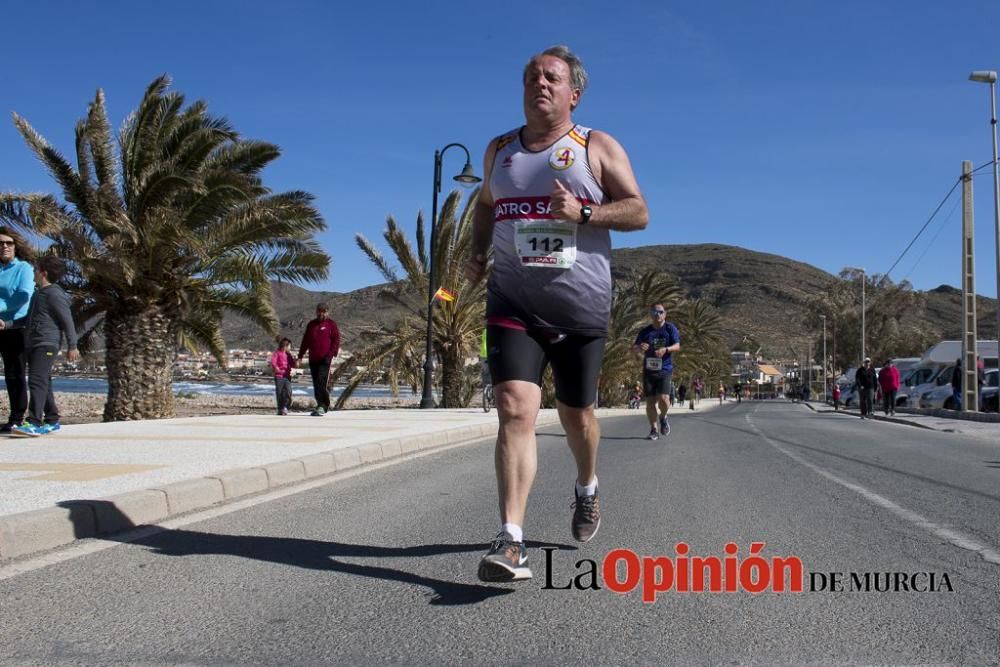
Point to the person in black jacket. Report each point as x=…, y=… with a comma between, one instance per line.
x=865, y=379
x=956, y=385
x=49, y=321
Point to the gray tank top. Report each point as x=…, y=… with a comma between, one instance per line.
x=550, y=275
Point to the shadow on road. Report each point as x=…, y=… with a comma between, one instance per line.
x=308, y=554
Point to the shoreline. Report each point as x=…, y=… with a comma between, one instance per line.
x=83, y=408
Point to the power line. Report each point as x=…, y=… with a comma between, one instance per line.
x=936, y=210
x=910, y=244
x=933, y=239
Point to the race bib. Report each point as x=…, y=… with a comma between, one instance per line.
x=654, y=364
x=549, y=243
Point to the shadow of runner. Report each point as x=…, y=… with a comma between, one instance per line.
x=320, y=555
x=303, y=553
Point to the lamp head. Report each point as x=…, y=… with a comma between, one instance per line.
x=983, y=76
x=468, y=177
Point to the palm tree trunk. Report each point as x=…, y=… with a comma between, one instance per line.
x=452, y=370
x=141, y=347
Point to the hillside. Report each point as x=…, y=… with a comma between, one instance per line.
x=756, y=293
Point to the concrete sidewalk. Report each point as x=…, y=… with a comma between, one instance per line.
x=934, y=422
x=88, y=480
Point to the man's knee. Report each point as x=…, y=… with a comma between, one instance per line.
x=577, y=420
x=517, y=402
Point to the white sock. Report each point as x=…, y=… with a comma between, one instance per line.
x=514, y=531
x=588, y=490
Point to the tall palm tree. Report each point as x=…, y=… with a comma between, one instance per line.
x=456, y=325
x=164, y=232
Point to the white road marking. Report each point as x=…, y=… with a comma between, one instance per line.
x=988, y=553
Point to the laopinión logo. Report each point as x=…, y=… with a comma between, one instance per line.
x=623, y=571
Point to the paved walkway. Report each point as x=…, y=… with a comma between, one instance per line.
x=944, y=424
x=96, y=479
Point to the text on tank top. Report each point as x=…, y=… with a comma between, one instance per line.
x=551, y=274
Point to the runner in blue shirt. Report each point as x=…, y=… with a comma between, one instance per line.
x=655, y=344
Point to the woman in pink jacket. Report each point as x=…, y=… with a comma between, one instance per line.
x=282, y=363
x=888, y=381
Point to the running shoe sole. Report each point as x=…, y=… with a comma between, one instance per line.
x=493, y=571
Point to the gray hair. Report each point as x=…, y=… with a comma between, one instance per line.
x=578, y=75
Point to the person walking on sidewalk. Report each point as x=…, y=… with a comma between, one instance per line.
x=49, y=320
x=654, y=345
x=865, y=379
x=553, y=192
x=321, y=341
x=17, y=284
x=282, y=363
x=888, y=381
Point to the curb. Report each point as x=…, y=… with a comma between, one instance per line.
x=891, y=420
x=29, y=533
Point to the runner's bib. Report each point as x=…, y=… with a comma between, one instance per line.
x=546, y=244
x=654, y=364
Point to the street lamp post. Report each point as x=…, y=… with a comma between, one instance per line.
x=863, y=280
x=466, y=178
x=990, y=77
x=826, y=379
x=862, y=360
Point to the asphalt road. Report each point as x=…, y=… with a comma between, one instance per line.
x=379, y=568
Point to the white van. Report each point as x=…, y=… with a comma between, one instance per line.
x=915, y=382
x=905, y=364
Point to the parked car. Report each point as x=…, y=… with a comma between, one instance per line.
x=941, y=394
x=989, y=393
x=915, y=382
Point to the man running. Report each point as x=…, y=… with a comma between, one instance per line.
x=655, y=344
x=553, y=191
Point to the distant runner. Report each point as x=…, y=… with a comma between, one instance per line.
x=655, y=344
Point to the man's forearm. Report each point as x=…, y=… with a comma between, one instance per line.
x=482, y=229
x=625, y=215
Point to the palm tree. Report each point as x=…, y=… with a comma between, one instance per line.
x=164, y=233
x=703, y=351
x=633, y=295
x=456, y=325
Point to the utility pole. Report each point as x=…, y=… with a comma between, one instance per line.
x=970, y=384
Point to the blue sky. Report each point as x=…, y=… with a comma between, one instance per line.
x=823, y=131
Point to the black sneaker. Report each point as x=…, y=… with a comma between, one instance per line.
x=653, y=435
x=7, y=428
x=664, y=426
x=506, y=560
x=586, y=517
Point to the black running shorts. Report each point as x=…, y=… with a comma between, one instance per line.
x=523, y=355
x=655, y=385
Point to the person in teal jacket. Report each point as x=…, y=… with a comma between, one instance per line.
x=17, y=284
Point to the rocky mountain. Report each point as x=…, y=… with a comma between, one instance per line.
x=756, y=293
